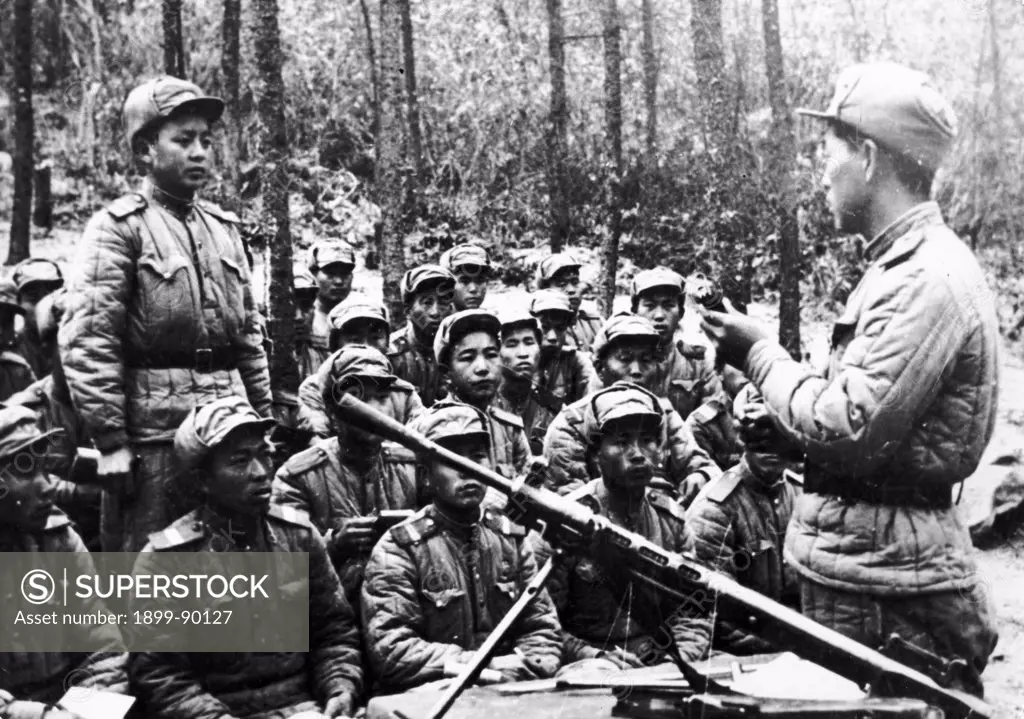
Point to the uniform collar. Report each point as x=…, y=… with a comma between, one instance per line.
x=236, y=532
x=176, y=205
x=451, y=526
x=890, y=243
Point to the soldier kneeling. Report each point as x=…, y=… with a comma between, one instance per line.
x=221, y=447
x=436, y=585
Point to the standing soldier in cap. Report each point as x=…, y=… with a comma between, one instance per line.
x=438, y=584
x=684, y=375
x=15, y=371
x=160, y=315
x=31, y=681
x=739, y=523
x=623, y=352
x=519, y=391
x=36, y=278
x=224, y=458
x=331, y=262
x=565, y=372
x=562, y=272
x=343, y=483
x=468, y=351
x=907, y=404
x=602, y=617
x=354, y=322
x=471, y=268
x=428, y=292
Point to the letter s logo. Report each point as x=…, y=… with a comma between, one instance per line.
x=38, y=586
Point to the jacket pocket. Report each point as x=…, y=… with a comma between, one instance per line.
x=165, y=289
x=234, y=294
x=443, y=610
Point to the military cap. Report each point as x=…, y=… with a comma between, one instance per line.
x=330, y=252
x=623, y=400
x=49, y=312
x=304, y=281
x=19, y=430
x=897, y=107
x=550, y=301
x=207, y=425
x=455, y=327
x=418, y=278
x=448, y=419
x=360, y=361
x=551, y=266
x=658, y=278
x=161, y=97
x=358, y=309
x=517, y=317
x=465, y=254
x=9, y=296
x=36, y=269
x=622, y=325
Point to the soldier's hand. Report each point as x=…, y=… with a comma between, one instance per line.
x=622, y=658
x=31, y=710
x=690, y=487
x=732, y=334
x=115, y=470
x=339, y=706
x=511, y=667
x=354, y=536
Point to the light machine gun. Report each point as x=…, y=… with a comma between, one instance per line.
x=564, y=522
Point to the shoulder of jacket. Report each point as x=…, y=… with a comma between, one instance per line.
x=793, y=478
x=586, y=314
x=184, y=531
x=398, y=344
x=502, y=524
x=289, y=515
x=691, y=351
x=394, y=453
x=219, y=212
x=126, y=205
x=722, y=487
x=586, y=495
x=414, y=530
x=305, y=460
x=506, y=417
x=664, y=504
x=12, y=357
x=705, y=413
x=57, y=521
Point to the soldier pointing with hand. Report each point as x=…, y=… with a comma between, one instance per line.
x=908, y=403
x=160, y=313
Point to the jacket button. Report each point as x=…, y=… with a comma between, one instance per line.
x=752, y=620
x=197, y=526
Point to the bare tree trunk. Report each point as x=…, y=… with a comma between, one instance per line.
x=174, y=42
x=781, y=174
x=559, y=129
x=650, y=56
x=24, y=133
x=42, y=215
x=391, y=180
x=284, y=375
x=230, y=60
x=371, y=54
x=412, y=99
x=613, y=130
x=709, y=60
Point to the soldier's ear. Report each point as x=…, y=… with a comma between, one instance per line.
x=871, y=154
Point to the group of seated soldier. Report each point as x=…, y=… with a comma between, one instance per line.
x=620, y=415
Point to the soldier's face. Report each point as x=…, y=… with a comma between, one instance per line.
x=554, y=326
x=180, y=157
x=428, y=309
x=628, y=361
x=568, y=281
x=334, y=282
x=664, y=309
x=470, y=287
x=475, y=367
x=26, y=495
x=452, y=488
x=378, y=396
x=520, y=352
x=845, y=182
x=240, y=471
x=363, y=331
x=629, y=454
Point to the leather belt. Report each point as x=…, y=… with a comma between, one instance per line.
x=204, y=360
x=874, y=491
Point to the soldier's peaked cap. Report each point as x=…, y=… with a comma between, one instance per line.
x=206, y=426
x=161, y=97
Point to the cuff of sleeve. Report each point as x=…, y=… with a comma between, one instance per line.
x=107, y=442
x=760, y=359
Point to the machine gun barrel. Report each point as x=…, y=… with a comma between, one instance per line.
x=681, y=577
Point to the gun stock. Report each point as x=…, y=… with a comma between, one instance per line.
x=682, y=578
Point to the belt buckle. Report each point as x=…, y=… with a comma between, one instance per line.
x=204, y=360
